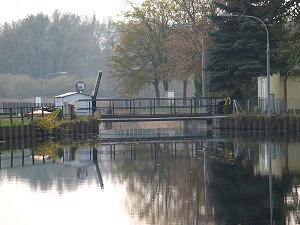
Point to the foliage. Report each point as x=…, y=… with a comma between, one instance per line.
x=238, y=53
x=49, y=122
x=41, y=44
x=50, y=149
x=152, y=50
x=139, y=57
x=286, y=27
x=189, y=34
x=19, y=86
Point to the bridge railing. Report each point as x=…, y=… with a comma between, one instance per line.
x=156, y=106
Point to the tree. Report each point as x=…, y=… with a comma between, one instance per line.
x=238, y=53
x=23, y=45
x=38, y=45
x=41, y=44
x=139, y=57
x=18, y=86
x=71, y=38
x=182, y=55
x=286, y=26
x=191, y=24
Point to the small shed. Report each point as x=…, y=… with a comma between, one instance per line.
x=72, y=98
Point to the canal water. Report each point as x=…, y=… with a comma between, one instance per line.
x=141, y=177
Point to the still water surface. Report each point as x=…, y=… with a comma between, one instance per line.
x=204, y=180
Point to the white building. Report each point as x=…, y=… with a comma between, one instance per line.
x=73, y=98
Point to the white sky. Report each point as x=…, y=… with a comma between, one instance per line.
x=14, y=10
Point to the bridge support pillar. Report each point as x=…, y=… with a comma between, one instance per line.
x=108, y=125
x=105, y=126
x=194, y=126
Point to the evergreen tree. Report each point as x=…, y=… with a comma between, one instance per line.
x=239, y=50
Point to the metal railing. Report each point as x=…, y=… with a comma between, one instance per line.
x=155, y=106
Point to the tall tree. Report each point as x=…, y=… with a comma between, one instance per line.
x=22, y=45
x=286, y=20
x=71, y=39
x=140, y=53
x=238, y=53
x=39, y=44
x=191, y=24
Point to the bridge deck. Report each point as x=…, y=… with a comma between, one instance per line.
x=146, y=118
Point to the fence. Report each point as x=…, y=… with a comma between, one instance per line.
x=17, y=107
x=259, y=106
x=16, y=113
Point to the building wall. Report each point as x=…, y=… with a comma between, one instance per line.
x=277, y=89
x=71, y=99
x=293, y=88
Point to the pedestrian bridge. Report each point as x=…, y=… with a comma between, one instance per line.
x=156, y=109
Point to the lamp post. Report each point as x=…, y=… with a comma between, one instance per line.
x=49, y=74
x=203, y=80
x=268, y=54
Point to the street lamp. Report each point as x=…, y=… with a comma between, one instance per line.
x=203, y=80
x=49, y=74
x=268, y=53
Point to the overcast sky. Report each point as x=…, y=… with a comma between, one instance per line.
x=14, y=10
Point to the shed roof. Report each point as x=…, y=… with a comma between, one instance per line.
x=69, y=94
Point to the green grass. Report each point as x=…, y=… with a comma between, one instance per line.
x=5, y=122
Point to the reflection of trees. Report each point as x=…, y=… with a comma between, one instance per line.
x=164, y=190
x=168, y=188
x=242, y=198
x=50, y=149
x=292, y=201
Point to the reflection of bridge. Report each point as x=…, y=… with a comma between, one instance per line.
x=24, y=157
x=156, y=109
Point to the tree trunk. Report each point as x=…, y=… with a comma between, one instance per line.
x=184, y=93
x=157, y=93
x=166, y=85
x=198, y=87
x=156, y=87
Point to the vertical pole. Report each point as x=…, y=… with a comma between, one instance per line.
x=23, y=155
x=44, y=88
x=270, y=186
x=154, y=106
x=11, y=158
x=10, y=113
x=268, y=71
x=22, y=116
x=203, y=73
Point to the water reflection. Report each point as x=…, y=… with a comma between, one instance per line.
x=204, y=181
